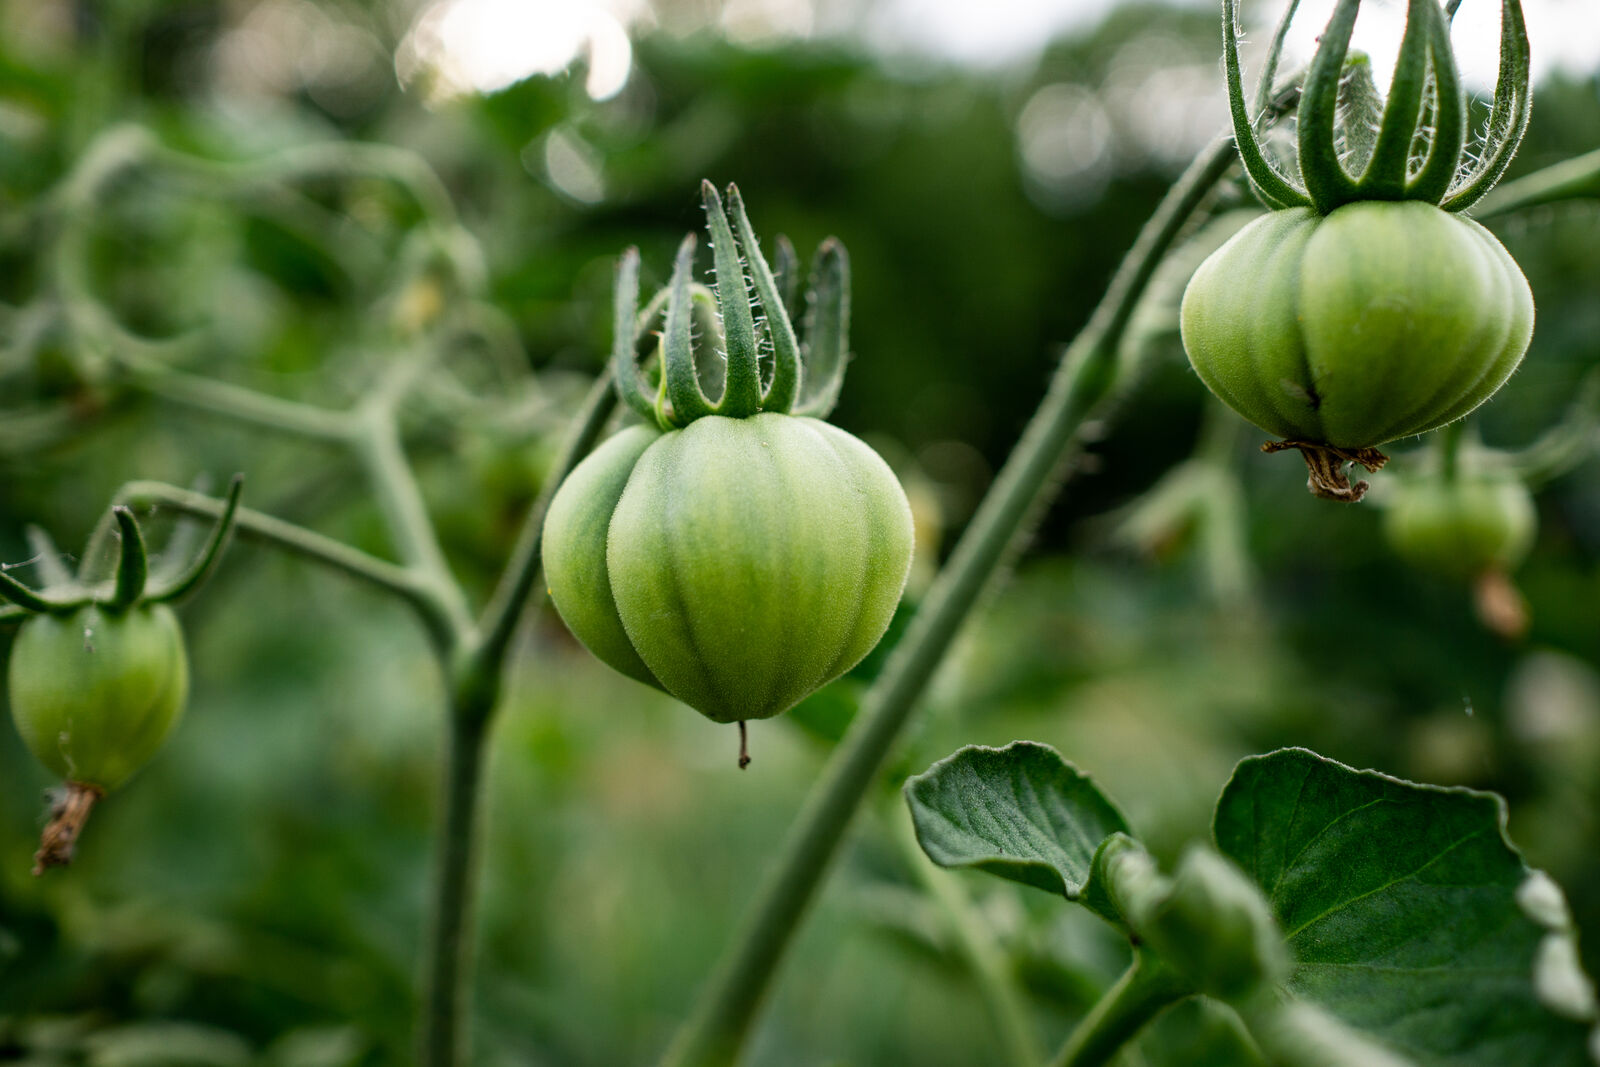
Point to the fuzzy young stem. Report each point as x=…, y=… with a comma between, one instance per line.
x=1145, y=989
x=727, y=1006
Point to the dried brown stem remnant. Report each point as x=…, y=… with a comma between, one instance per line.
x=1327, y=466
x=1501, y=605
x=69, y=810
x=744, y=746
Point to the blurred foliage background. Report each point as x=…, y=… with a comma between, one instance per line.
x=256, y=895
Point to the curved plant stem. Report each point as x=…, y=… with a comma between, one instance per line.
x=728, y=1004
x=1571, y=179
x=304, y=543
x=1145, y=989
x=994, y=978
x=237, y=402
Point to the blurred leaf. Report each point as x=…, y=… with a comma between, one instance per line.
x=1411, y=916
x=167, y=1044
x=1020, y=812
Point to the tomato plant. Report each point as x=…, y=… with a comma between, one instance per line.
x=706, y=532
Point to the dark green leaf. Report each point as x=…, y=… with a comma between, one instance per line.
x=1409, y=914
x=1021, y=812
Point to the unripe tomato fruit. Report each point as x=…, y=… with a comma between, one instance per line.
x=738, y=564
x=1463, y=527
x=1380, y=320
x=95, y=693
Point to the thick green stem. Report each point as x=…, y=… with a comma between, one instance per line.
x=728, y=1004
x=990, y=971
x=1145, y=989
x=447, y=960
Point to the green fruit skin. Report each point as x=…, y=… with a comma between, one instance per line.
x=1460, y=529
x=94, y=694
x=747, y=561
x=1380, y=320
x=574, y=550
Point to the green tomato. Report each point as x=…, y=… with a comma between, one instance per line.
x=1463, y=527
x=738, y=564
x=94, y=694
x=1379, y=320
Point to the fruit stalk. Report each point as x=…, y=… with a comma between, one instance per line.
x=69, y=810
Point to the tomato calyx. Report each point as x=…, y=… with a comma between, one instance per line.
x=745, y=324
x=1350, y=145
x=69, y=811
x=1327, y=478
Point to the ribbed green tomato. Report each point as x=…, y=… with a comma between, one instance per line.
x=738, y=564
x=95, y=693
x=1379, y=320
x=1462, y=527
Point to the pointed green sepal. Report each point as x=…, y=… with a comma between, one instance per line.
x=1386, y=173
x=741, y=393
x=827, y=349
x=786, y=272
x=677, y=346
x=1508, y=120
x=785, y=385
x=1273, y=188
x=22, y=596
x=205, y=563
x=133, y=563
x=1450, y=114
x=1269, y=71
x=1326, y=182
x=625, y=326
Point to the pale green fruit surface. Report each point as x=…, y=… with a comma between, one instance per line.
x=95, y=694
x=748, y=561
x=1380, y=320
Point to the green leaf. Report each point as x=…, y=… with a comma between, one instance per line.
x=1410, y=915
x=1021, y=812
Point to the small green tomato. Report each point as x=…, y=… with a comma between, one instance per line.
x=95, y=693
x=1464, y=527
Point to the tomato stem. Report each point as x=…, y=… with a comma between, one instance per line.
x=1327, y=464
x=69, y=810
